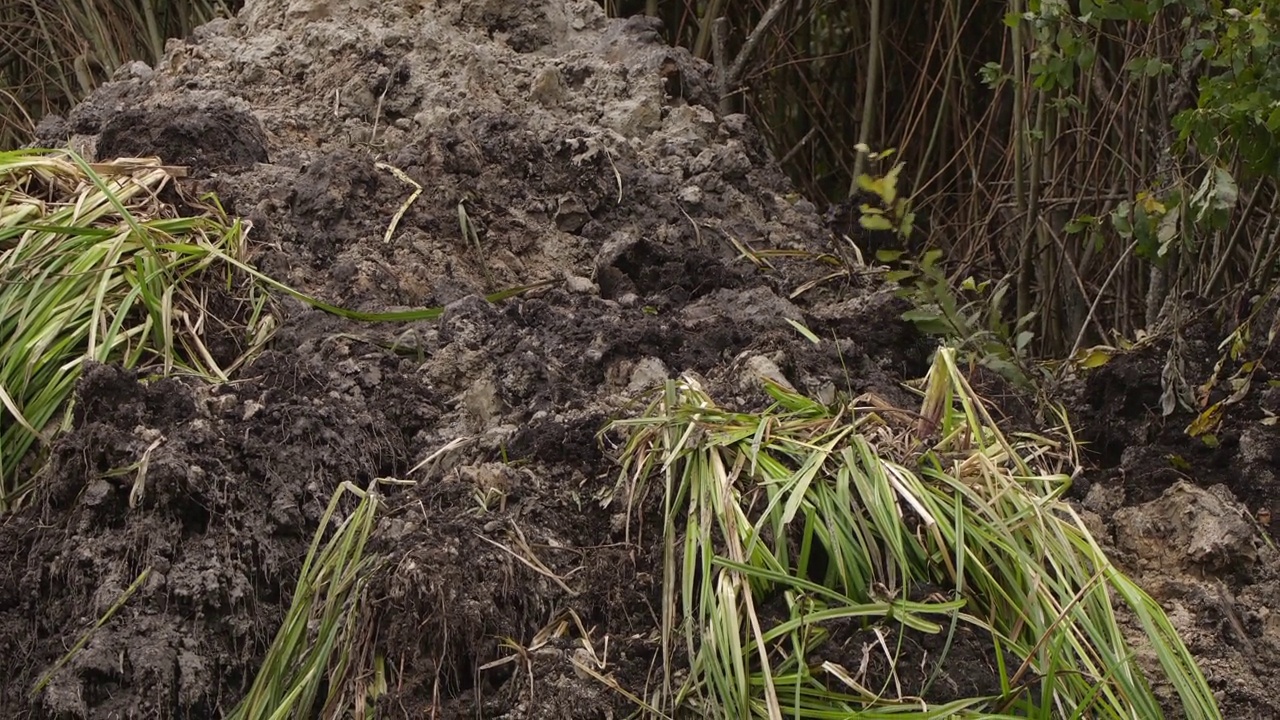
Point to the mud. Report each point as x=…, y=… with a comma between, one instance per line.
x=579, y=149
x=1194, y=521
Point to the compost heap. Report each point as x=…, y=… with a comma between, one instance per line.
x=580, y=149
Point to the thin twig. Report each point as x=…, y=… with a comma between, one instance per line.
x=798, y=146
x=752, y=42
x=1084, y=326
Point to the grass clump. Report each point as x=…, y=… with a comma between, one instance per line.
x=56, y=53
x=95, y=265
x=785, y=529
x=322, y=663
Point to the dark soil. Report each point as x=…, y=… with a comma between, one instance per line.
x=1194, y=521
x=581, y=150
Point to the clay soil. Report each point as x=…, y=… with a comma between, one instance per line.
x=584, y=151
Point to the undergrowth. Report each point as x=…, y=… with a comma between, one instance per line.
x=929, y=520
x=94, y=265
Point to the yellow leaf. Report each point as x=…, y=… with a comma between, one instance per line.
x=1093, y=357
x=1206, y=422
x=1151, y=204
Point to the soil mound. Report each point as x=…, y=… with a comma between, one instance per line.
x=1193, y=518
x=548, y=143
x=575, y=148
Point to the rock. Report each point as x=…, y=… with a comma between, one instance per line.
x=757, y=368
x=649, y=372
x=1189, y=528
x=581, y=286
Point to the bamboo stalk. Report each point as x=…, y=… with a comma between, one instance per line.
x=712, y=15
x=870, y=96
x=1025, y=253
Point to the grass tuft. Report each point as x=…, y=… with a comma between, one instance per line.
x=322, y=663
x=53, y=54
x=786, y=528
x=97, y=266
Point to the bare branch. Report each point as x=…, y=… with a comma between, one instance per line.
x=753, y=41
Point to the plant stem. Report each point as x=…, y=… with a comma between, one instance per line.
x=1025, y=253
x=869, y=97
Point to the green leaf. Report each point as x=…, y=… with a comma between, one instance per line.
x=1093, y=357
x=1087, y=55
x=875, y=222
x=928, y=321
x=991, y=73
x=806, y=332
x=870, y=184
x=890, y=184
x=1080, y=224
x=907, y=225
x=1120, y=219
x=1273, y=120
x=1138, y=66
x=1226, y=192
x=1261, y=36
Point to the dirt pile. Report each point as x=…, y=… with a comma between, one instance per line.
x=575, y=148
x=1194, y=519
